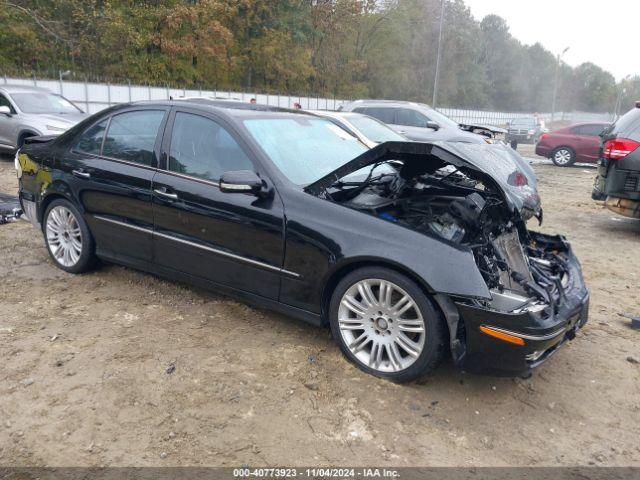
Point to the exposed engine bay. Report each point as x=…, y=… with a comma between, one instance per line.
x=461, y=207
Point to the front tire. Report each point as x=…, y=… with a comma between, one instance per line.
x=385, y=324
x=563, y=157
x=67, y=237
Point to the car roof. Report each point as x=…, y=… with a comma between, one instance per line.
x=387, y=103
x=10, y=88
x=230, y=103
x=334, y=114
x=229, y=109
x=581, y=124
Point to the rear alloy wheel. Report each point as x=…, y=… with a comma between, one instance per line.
x=563, y=157
x=385, y=324
x=67, y=237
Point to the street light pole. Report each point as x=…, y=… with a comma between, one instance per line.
x=618, y=103
x=555, y=85
x=435, y=80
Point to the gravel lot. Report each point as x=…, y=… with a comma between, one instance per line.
x=118, y=367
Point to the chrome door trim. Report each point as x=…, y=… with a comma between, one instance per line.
x=203, y=247
x=123, y=224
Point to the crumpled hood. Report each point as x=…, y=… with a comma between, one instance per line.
x=496, y=161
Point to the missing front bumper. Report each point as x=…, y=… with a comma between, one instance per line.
x=539, y=332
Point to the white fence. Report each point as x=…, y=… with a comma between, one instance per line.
x=501, y=118
x=93, y=97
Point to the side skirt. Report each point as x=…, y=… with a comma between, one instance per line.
x=175, y=275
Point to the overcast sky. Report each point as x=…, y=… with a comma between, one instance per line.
x=602, y=32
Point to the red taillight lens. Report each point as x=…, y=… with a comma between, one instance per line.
x=618, y=148
x=543, y=137
x=518, y=179
x=521, y=180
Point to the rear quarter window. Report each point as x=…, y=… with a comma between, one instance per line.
x=628, y=126
x=91, y=140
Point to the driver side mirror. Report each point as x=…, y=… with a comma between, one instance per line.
x=433, y=125
x=241, y=181
x=5, y=110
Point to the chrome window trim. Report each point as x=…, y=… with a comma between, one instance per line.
x=190, y=177
x=203, y=247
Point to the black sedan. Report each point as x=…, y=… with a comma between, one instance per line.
x=407, y=251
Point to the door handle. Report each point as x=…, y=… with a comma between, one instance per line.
x=81, y=174
x=164, y=193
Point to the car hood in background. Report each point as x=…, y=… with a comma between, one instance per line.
x=495, y=161
x=476, y=126
x=68, y=119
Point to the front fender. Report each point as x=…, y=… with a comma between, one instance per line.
x=324, y=238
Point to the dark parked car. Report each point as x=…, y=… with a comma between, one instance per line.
x=618, y=180
x=575, y=143
x=524, y=130
x=406, y=250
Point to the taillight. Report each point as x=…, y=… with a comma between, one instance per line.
x=521, y=180
x=543, y=137
x=618, y=148
x=518, y=179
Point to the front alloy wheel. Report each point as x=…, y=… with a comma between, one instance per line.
x=385, y=324
x=381, y=325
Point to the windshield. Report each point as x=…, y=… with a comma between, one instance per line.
x=374, y=130
x=304, y=149
x=523, y=121
x=43, y=103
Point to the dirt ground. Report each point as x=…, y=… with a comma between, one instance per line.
x=118, y=367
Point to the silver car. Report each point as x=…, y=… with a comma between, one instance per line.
x=367, y=129
x=416, y=121
x=30, y=111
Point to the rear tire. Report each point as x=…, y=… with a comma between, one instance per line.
x=402, y=336
x=563, y=157
x=67, y=237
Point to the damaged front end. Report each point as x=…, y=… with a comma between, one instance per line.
x=537, y=297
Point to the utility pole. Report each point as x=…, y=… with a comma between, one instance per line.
x=555, y=85
x=618, y=103
x=435, y=80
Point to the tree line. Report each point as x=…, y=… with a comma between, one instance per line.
x=347, y=48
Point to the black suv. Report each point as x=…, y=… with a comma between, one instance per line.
x=618, y=180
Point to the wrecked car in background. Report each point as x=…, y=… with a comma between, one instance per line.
x=407, y=250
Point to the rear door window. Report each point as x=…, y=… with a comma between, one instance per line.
x=588, y=130
x=132, y=136
x=384, y=114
